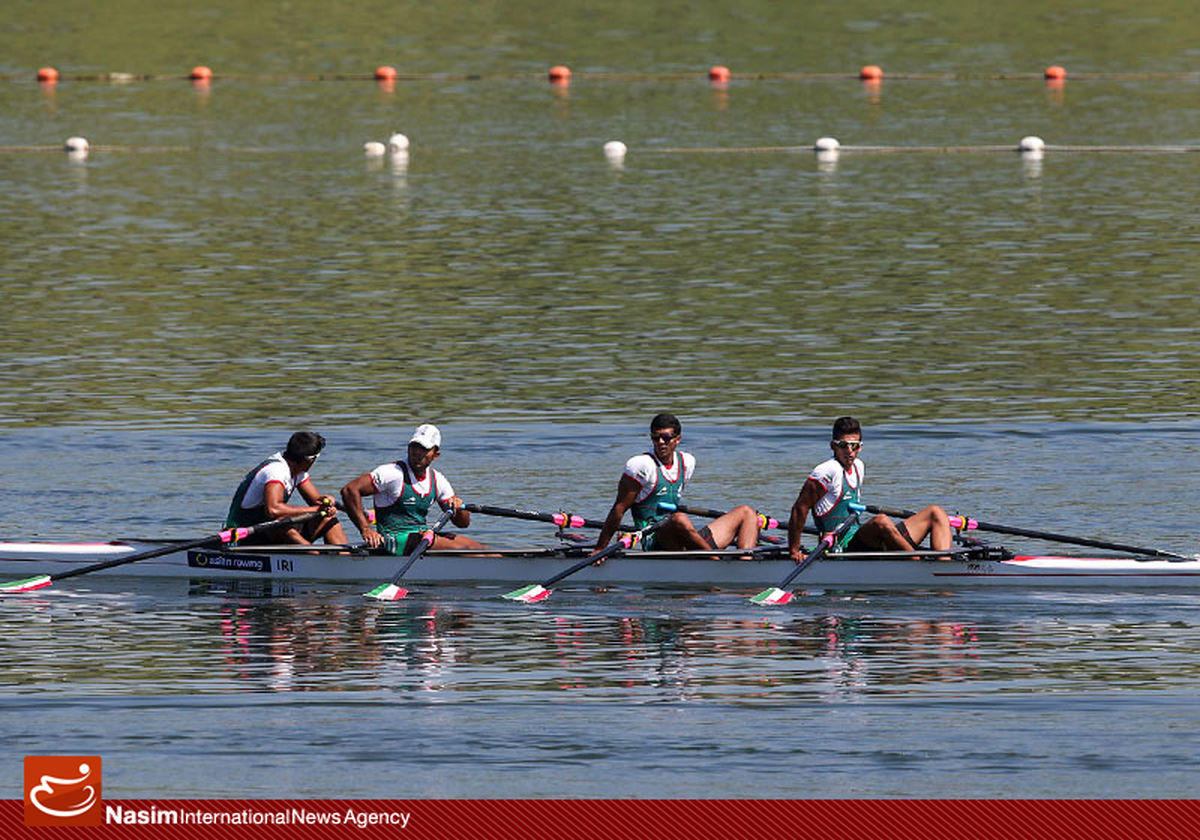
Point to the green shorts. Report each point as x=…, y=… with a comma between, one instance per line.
x=402, y=543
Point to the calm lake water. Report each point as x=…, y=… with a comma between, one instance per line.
x=226, y=266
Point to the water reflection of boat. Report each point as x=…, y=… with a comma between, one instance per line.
x=978, y=566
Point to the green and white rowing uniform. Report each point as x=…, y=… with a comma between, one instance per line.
x=841, y=488
x=658, y=484
x=402, y=503
x=249, y=505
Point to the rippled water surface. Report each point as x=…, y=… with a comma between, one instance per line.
x=620, y=693
x=256, y=689
x=226, y=266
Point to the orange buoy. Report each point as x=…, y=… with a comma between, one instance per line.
x=560, y=74
x=385, y=73
x=870, y=73
x=1056, y=73
x=718, y=73
x=200, y=73
x=47, y=74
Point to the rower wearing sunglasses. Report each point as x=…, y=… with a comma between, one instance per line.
x=835, y=484
x=266, y=491
x=660, y=476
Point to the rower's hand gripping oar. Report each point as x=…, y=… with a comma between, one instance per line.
x=227, y=536
x=964, y=523
x=541, y=591
x=391, y=591
x=780, y=594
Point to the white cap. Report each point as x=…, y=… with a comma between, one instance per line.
x=427, y=435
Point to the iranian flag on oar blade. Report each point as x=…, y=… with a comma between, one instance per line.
x=25, y=585
x=529, y=594
x=772, y=596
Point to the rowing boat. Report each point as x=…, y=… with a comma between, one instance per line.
x=980, y=566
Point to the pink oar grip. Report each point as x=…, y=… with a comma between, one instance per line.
x=234, y=534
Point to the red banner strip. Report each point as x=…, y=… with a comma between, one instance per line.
x=645, y=819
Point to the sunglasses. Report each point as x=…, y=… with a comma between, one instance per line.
x=852, y=445
x=664, y=437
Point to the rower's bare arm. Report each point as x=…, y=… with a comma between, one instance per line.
x=313, y=496
x=277, y=507
x=352, y=495
x=809, y=495
x=462, y=516
x=627, y=492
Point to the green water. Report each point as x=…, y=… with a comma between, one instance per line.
x=235, y=259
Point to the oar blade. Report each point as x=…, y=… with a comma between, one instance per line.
x=24, y=585
x=529, y=594
x=387, y=592
x=772, y=597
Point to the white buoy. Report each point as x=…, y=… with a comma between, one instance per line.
x=827, y=144
x=374, y=149
x=397, y=143
x=76, y=144
x=1032, y=143
x=615, y=150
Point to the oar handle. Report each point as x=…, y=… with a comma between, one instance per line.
x=1049, y=536
x=562, y=519
x=427, y=538
x=764, y=521
x=957, y=522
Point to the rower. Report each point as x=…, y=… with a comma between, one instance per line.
x=403, y=491
x=266, y=491
x=660, y=476
x=836, y=483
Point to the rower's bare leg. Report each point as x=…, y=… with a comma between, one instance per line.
x=291, y=535
x=740, y=524
x=331, y=530
x=932, y=522
x=679, y=534
x=881, y=534
x=455, y=541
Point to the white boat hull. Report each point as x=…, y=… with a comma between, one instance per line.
x=21, y=560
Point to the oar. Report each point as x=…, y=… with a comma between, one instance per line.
x=391, y=591
x=562, y=520
x=968, y=524
x=226, y=536
x=780, y=594
x=541, y=591
x=764, y=521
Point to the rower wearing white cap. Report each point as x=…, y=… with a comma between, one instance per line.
x=403, y=492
